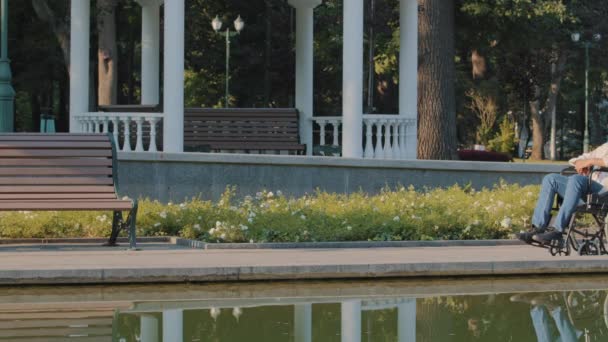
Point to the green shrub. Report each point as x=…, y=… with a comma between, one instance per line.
x=398, y=214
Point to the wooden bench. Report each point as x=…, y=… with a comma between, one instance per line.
x=63, y=172
x=246, y=129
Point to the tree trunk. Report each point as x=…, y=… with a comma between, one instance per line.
x=268, y=54
x=538, y=136
x=106, y=52
x=436, y=76
x=59, y=26
x=478, y=65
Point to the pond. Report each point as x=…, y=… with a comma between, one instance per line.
x=470, y=309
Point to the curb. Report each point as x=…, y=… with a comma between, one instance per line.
x=344, y=244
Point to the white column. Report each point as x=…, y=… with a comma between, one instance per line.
x=303, y=322
x=304, y=67
x=173, y=123
x=351, y=320
x=150, y=51
x=79, y=60
x=173, y=325
x=352, y=80
x=408, y=70
x=406, y=321
x=149, y=328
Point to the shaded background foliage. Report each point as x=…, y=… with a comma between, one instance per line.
x=504, y=51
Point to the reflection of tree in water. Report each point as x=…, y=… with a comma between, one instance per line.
x=469, y=318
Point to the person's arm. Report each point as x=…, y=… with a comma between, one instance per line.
x=597, y=157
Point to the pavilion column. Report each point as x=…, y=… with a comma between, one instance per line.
x=408, y=72
x=173, y=325
x=303, y=322
x=304, y=67
x=352, y=80
x=79, y=60
x=149, y=328
x=351, y=320
x=150, y=51
x=173, y=89
x=406, y=321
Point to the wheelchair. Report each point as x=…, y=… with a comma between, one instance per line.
x=580, y=238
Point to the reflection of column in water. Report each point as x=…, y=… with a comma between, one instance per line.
x=406, y=321
x=173, y=325
x=149, y=328
x=351, y=321
x=303, y=322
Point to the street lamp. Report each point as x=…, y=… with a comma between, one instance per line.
x=596, y=37
x=216, y=23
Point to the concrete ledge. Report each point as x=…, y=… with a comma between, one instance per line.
x=196, y=265
x=316, y=161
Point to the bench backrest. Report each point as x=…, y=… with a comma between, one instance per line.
x=242, y=128
x=57, y=166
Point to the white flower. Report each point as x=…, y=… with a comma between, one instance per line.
x=250, y=220
x=218, y=224
x=467, y=229
x=197, y=226
x=279, y=193
x=305, y=232
x=182, y=205
x=396, y=218
x=506, y=222
x=200, y=217
x=157, y=224
x=248, y=198
x=349, y=228
x=243, y=227
x=251, y=241
x=163, y=214
x=270, y=194
x=258, y=195
x=303, y=217
x=416, y=217
x=375, y=209
x=211, y=231
x=223, y=236
x=170, y=203
x=221, y=202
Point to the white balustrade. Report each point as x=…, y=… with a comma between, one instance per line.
x=111, y=122
x=384, y=134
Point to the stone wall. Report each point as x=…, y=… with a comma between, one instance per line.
x=177, y=176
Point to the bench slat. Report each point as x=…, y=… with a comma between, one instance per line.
x=55, y=153
x=79, y=162
x=56, y=181
x=55, y=171
x=55, y=189
x=70, y=145
x=79, y=196
x=66, y=205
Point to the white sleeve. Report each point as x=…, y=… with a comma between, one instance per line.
x=599, y=153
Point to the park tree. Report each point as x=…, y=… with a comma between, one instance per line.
x=436, y=77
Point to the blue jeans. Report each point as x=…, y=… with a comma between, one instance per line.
x=567, y=332
x=572, y=189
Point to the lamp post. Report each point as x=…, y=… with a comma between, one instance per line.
x=586, y=44
x=216, y=23
x=7, y=93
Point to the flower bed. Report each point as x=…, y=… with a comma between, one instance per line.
x=400, y=214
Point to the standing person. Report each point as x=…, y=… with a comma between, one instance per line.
x=572, y=189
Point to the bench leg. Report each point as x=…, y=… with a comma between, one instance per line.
x=116, y=227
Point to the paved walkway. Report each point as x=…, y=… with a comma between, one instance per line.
x=19, y=265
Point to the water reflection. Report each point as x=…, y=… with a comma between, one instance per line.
x=438, y=310
x=554, y=316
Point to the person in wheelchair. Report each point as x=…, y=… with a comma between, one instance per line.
x=572, y=189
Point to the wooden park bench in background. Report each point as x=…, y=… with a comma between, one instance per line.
x=63, y=172
x=242, y=129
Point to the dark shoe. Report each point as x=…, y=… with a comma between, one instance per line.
x=528, y=236
x=550, y=235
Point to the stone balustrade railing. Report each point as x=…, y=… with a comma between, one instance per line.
x=384, y=134
x=137, y=132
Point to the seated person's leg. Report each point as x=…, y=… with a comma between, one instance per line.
x=577, y=187
x=552, y=184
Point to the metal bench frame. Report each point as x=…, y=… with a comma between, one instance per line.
x=48, y=172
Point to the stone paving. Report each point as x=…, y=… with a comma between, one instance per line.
x=169, y=263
